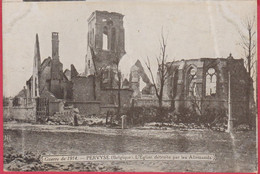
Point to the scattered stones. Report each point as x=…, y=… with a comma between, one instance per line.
x=243, y=127
x=31, y=162
x=68, y=119
x=188, y=126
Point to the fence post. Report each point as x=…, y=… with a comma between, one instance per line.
x=124, y=124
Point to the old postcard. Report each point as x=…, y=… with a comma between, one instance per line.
x=130, y=86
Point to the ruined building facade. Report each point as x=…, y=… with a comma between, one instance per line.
x=48, y=79
x=208, y=83
x=137, y=74
x=198, y=84
x=96, y=89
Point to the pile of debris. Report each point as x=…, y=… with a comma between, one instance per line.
x=180, y=126
x=184, y=126
x=73, y=118
x=92, y=121
x=60, y=119
x=222, y=127
x=242, y=127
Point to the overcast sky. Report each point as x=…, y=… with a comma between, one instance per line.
x=194, y=29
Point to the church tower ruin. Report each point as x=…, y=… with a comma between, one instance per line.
x=106, y=41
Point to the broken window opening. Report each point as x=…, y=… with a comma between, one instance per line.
x=89, y=63
x=105, y=76
x=142, y=85
x=113, y=39
x=192, y=79
x=135, y=76
x=211, y=82
x=174, y=84
x=105, y=39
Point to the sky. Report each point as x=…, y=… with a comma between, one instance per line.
x=194, y=29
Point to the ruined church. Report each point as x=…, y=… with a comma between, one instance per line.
x=94, y=91
x=210, y=82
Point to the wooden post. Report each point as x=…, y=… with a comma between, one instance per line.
x=123, y=121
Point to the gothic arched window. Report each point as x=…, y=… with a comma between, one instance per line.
x=192, y=79
x=113, y=39
x=105, y=38
x=211, y=82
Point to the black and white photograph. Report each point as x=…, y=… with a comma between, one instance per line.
x=130, y=86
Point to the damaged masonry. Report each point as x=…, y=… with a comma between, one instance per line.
x=208, y=88
x=161, y=86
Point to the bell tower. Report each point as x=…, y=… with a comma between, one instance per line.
x=106, y=40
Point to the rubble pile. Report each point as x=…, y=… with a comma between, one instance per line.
x=68, y=119
x=184, y=126
x=243, y=127
x=219, y=127
x=60, y=119
x=31, y=162
x=92, y=121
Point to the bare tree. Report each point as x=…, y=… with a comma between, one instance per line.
x=116, y=61
x=248, y=43
x=163, y=72
x=119, y=78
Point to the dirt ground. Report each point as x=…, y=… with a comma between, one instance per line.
x=234, y=152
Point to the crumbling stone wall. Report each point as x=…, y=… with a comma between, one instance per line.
x=150, y=102
x=83, y=89
x=136, y=73
x=110, y=24
x=56, y=106
x=87, y=108
x=45, y=74
x=26, y=114
x=110, y=97
x=222, y=66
